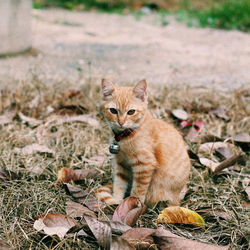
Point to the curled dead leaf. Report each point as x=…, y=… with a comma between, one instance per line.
x=141, y=238
x=167, y=240
x=118, y=243
x=210, y=147
x=67, y=174
x=84, y=197
x=74, y=210
x=54, y=224
x=129, y=211
x=101, y=231
x=180, y=215
x=221, y=113
x=209, y=163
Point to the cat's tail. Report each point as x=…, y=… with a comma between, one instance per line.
x=104, y=194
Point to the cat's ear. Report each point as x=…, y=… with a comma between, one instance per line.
x=140, y=90
x=107, y=89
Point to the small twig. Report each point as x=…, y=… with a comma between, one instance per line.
x=227, y=163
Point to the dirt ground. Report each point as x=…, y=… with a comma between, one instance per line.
x=126, y=49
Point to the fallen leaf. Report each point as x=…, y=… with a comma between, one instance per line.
x=243, y=140
x=180, y=215
x=213, y=212
x=228, y=162
x=4, y=246
x=7, y=117
x=54, y=224
x=224, y=153
x=220, y=113
x=210, y=147
x=180, y=114
x=101, y=231
x=129, y=211
x=140, y=238
x=7, y=175
x=84, y=197
x=67, y=174
x=118, y=227
x=31, y=121
x=167, y=240
x=33, y=148
x=209, y=163
x=74, y=210
x=242, y=137
x=118, y=243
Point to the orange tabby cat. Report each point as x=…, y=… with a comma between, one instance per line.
x=152, y=162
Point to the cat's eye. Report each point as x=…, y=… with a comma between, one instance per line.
x=113, y=111
x=131, y=112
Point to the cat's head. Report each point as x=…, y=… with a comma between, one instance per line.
x=124, y=107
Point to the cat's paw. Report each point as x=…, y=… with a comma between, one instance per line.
x=112, y=201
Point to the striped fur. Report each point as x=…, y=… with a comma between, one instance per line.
x=154, y=160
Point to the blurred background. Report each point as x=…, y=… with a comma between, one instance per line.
x=165, y=41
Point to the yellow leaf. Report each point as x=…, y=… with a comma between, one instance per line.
x=180, y=215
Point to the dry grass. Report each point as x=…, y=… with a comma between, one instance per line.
x=30, y=195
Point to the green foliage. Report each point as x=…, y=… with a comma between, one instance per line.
x=232, y=14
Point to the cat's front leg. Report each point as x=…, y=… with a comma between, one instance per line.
x=121, y=179
x=142, y=175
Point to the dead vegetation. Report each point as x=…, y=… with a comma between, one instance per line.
x=65, y=128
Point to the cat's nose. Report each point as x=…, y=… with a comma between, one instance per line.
x=121, y=123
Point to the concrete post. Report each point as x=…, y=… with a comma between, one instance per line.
x=15, y=26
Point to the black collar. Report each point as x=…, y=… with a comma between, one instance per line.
x=123, y=134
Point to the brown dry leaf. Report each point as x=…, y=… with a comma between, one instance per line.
x=209, y=163
x=180, y=215
x=74, y=209
x=224, y=153
x=180, y=114
x=7, y=117
x=210, y=147
x=213, y=212
x=54, y=224
x=4, y=246
x=167, y=240
x=118, y=227
x=118, y=243
x=129, y=211
x=228, y=162
x=67, y=174
x=242, y=137
x=84, y=197
x=101, y=231
x=33, y=148
x=141, y=238
x=6, y=175
x=31, y=121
